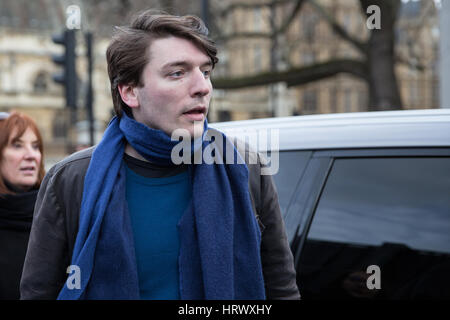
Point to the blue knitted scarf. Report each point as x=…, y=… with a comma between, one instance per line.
x=219, y=237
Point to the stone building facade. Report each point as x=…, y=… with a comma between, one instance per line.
x=26, y=71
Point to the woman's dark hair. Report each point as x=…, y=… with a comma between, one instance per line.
x=127, y=54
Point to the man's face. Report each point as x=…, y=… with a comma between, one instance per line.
x=177, y=87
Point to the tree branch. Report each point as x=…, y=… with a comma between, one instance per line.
x=361, y=46
x=291, y=18
x=251, y=5
x=242, y=35
x=296, y=76
x=268, y=35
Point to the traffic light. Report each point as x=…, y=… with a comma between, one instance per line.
x=68, y=78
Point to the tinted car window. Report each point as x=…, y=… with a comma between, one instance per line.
x=292, y=166
x=393, y=213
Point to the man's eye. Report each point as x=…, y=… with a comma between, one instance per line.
x=176, y=74
x=207, y=73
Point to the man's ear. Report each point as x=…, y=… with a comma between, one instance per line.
x=129, y=95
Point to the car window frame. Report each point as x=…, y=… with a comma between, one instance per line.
x=316, y=176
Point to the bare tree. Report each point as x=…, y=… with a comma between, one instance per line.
x=380, y=58
x=376, y=66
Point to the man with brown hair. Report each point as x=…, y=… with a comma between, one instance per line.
x=126, y=222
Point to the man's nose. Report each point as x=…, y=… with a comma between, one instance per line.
x=201, y=85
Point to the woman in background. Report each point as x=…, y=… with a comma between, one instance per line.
x=21, y=173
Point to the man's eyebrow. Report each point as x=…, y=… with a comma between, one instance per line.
x=184, y=63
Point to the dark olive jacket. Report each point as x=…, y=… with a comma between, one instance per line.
x=55, y=226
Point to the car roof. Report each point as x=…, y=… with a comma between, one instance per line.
x=377, y=129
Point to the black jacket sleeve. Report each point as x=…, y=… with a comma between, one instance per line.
x=44, y=274
x=277, y=260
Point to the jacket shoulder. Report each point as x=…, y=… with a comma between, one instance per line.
x=248, y=153
x=78, y=161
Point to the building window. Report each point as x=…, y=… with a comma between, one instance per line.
x=435, y=102
x=221, y=68
x=348, y=100
x=347, y=22
x=333, y=100
x=59, y=129
x=310, y=101
x=40, y=83
x=258, y=58
x=309, y=57
x=309, y=26
x=414, y=92
x=362, y=101
x=223, y=115
x=257, y=19
x=246, y=59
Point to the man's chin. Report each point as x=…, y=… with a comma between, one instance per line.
x=192, y=130
x=198, y=128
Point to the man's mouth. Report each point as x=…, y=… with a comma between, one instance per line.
x=196, y=110
x=196, y=113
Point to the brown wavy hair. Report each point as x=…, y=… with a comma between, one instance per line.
x=127, y=53
x=20, y=122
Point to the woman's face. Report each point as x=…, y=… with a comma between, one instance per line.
x=21, y=160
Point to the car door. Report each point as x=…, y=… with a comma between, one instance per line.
x=371, y=224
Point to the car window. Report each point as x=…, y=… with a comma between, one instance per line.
x=391, y=213
x=399, y=200
x=292, y=166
